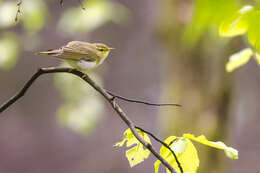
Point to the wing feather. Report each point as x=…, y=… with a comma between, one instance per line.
x=77, y=50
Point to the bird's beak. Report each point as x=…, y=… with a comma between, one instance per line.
x=111, y=48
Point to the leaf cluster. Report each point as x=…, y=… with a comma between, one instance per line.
x=182, y=146
x=244, y=22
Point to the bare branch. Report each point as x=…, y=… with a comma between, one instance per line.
x=81, y=5
x=164, y=144
x=138, y=101
x=103, y=92
x=61, y=2
x=19, y=3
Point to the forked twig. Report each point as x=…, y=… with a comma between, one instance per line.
x=164, y=144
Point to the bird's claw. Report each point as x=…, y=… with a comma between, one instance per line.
x=84, y=76
x=70, y=70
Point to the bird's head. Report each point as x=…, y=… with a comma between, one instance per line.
x=102, y=50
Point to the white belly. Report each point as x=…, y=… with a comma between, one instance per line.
x=86, y=64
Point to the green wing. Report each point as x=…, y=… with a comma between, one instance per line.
x=74, y=51
x=77, y=50
x=80, y=47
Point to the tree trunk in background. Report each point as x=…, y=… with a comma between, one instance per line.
x=195, y=78
x=245, y=120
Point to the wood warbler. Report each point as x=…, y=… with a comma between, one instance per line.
x=81, y=55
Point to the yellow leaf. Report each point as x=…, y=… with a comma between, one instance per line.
x=156, y=166
x=230, y=152
x=137, y=153
x=185, y=152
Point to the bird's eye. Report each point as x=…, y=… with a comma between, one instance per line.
x=101, y=49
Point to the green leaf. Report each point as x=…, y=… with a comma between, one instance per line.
x=207, y=15
x=136, y=154
x=238, y=59
x=229, y=151
x=238, y=24
x=185, y=152
x=253, y=31
x=9, y=50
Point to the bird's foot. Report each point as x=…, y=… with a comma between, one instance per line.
x=84, y=76
x=71, y=70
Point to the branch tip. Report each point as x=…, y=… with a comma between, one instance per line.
x=19, y=3
x=61, y=2
x=141, y=102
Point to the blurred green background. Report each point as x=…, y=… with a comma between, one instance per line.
x=167, y=51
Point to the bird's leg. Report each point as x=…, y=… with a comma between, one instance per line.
x=84, y=76
x=70, y=70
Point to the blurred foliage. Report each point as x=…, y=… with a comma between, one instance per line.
x=237, y=24
x=246, y=20
x=83, y=107
x=33, y=17
x=33, y=14
x=96, y=14
x=257, y=58
x=8, y=11
x=8, y=50
x=208, y=15
x=203, y=86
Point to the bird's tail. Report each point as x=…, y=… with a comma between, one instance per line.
x=50, y=52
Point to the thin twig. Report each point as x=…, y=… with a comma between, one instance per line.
x=164, y=144
x=138, y=101
x=103, y=92
x=61, y=2
x=19, y=3
x=81, y=5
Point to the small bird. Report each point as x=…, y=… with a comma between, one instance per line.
x=81, y=55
